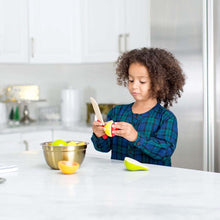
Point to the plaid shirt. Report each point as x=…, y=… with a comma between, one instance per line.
x=157, y=135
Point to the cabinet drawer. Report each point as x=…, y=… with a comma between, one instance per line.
x=32, y=140
x=10, y=143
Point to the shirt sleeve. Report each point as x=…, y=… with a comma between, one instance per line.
x=100, y=144
x=161, y=144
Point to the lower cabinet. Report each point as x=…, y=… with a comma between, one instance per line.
x=31, y=141
x=10, y=143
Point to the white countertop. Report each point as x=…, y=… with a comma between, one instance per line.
x=104, y=189
x=48, y=125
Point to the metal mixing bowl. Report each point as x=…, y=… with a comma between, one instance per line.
x=54, y=154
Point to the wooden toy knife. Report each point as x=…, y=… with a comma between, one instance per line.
x=96, y=110
x=98, y=114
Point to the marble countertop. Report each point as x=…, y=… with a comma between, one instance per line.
x=104, y=189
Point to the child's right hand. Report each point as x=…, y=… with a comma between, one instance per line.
x=98, y=129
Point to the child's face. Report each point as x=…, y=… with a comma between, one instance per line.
x=139, y=82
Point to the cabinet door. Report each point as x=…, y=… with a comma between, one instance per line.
x=55, y=31
x=33, y=140
x=13, y=31
x=102, y=23
x=137, y=24
x=10, y=143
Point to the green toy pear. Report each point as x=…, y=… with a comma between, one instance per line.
x=134, y=165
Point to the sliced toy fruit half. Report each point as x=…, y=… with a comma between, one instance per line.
x=134, y=165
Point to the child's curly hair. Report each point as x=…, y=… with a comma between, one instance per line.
x=167, y=78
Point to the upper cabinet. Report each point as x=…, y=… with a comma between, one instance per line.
x=54, y=31
x=71, y=31
x=137, y=24
x=113, y=27
x=102, y=24
x=13, y=31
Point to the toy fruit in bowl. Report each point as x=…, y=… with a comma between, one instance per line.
x=74, y=143
x=59, y=143
x=71, y=143
x=68, y=167
x=73, y=151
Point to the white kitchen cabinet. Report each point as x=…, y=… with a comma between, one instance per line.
x=71, y=31
x=13, y=31
x=10, y=143
x=137, y=24
x=101, y=28
x=113, y=27
x=42, y=31
x=32, y=140
x=55, y=34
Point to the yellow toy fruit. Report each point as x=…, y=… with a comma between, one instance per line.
x=68, y=167
x=81, y=143
x=71, y=143
x=134, y=165
x=59, y=143
x=109, y=129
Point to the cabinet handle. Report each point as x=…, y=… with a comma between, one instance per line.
x=126, y=41
x=32, y=47
x=119, y=43
x=26, y=145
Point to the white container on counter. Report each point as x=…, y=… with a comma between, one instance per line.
x=70, y=106
x=3, y=113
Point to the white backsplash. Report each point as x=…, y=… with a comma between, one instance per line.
x=97, y=80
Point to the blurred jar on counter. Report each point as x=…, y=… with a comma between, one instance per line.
x=3, y=113
x=70, y=106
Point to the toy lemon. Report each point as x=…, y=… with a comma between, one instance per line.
x=109, y=129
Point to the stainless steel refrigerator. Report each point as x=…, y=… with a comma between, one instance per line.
x=191, y=31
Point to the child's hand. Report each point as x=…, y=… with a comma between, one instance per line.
x=98, y=129
x=126, y=130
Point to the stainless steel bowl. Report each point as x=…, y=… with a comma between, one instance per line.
x=54, y=154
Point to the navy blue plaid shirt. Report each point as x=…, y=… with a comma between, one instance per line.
x=157, y=135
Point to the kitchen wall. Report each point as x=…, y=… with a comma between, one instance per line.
x=97, y=80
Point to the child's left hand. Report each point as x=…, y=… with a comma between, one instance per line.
x=125, y=130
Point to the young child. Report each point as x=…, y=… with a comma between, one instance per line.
x=147, y=131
